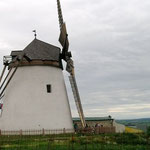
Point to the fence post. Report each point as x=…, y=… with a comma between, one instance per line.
x=72, y=142
x=20, y=132
x=43, y=132
x=64, y=130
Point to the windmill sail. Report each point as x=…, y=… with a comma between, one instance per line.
x=63, y=39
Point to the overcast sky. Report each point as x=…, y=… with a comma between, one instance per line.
x=110, y=42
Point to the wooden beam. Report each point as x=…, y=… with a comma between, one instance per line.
x=2, y=73
x=5, y=78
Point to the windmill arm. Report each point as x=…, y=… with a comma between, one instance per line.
x=19, y=58
x=63, y=39
x=2, y=73
x=5, y=78
x=8, y=81
x=60, y=16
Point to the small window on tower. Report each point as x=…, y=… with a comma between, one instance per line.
x=49, y=89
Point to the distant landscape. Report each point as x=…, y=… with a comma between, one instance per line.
x=141, y=123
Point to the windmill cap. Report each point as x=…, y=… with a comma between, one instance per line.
x=39, y=50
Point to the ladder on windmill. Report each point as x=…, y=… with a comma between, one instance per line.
x=77, y=98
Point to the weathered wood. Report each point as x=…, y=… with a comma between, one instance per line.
x=8, y=81
x=77, y=99
x=5, y=78
x=35, y=62
x=11, y=75
x=2, y=73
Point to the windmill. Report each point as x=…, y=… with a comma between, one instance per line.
x=33, y=90
x=66, y=56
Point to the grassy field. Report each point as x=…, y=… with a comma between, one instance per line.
x=76, y=142
x=132, y=130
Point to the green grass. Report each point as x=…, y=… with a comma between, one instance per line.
x=76, y=142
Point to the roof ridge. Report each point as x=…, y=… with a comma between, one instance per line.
x=45, y=42
x=40, y=50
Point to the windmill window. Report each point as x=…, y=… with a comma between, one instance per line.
x=49, y=88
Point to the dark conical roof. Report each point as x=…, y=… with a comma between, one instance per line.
x=39, y=50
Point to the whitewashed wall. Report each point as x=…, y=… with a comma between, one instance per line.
x=120, y=128
x=27, y=105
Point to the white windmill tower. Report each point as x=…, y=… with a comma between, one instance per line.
x=33, y=92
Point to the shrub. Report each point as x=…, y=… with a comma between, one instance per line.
x=148, y=131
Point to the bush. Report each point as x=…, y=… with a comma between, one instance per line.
x=148, y=131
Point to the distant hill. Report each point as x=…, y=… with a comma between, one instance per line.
x=141, y=123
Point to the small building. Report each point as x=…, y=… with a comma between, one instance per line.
x=101, y=122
